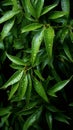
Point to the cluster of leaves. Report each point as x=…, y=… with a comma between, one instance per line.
x=36, y=59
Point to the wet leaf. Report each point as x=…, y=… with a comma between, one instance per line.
x=40, y=89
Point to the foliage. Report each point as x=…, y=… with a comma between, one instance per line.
x=36, y=59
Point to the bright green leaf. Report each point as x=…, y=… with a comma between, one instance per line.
x=48, y=38
x=36, y=43
x=15, y=59
x=23, y=86
x=56, y=15
x=31, y=27
x=30, y=9
x=7, y=27
x=13, y=79
x=39, y=7
x=8, y=15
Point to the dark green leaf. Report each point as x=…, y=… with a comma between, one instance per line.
x=34, y=117
x=57, y=87
x=62, y=118
x=48, y=8
x=65, y=4
x=49, y=120
x=67, y=52
x=37, y=72
x=13, y=90
x=40, y=89
x=4, y=111
x=29, y=89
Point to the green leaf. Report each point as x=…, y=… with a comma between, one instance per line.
x=40, y=89
x=39, y=7
x=13, y=90
x=48, y=8
x=62, y=118
x=63, y=34
x=6, y=28
x=29, y=89
x=30, y=9
x=15, y=4
x=56, y=14
x=49, y=120
x=13, y=79
x=71, y=36
x=67, y=52
x=57, y=87
x=1, y=45
x=65, y=4
x=34, y=117
x=23, y=86
x=4, y=111
x=71, y=104
x=36, y=43
x=37, y=72
x=8, y=15
x=48, y=38
x=15, y=59
x=31, y=27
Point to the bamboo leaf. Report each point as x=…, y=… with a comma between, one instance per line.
x=40, y=89
x=31, y=27
x=13, y=79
